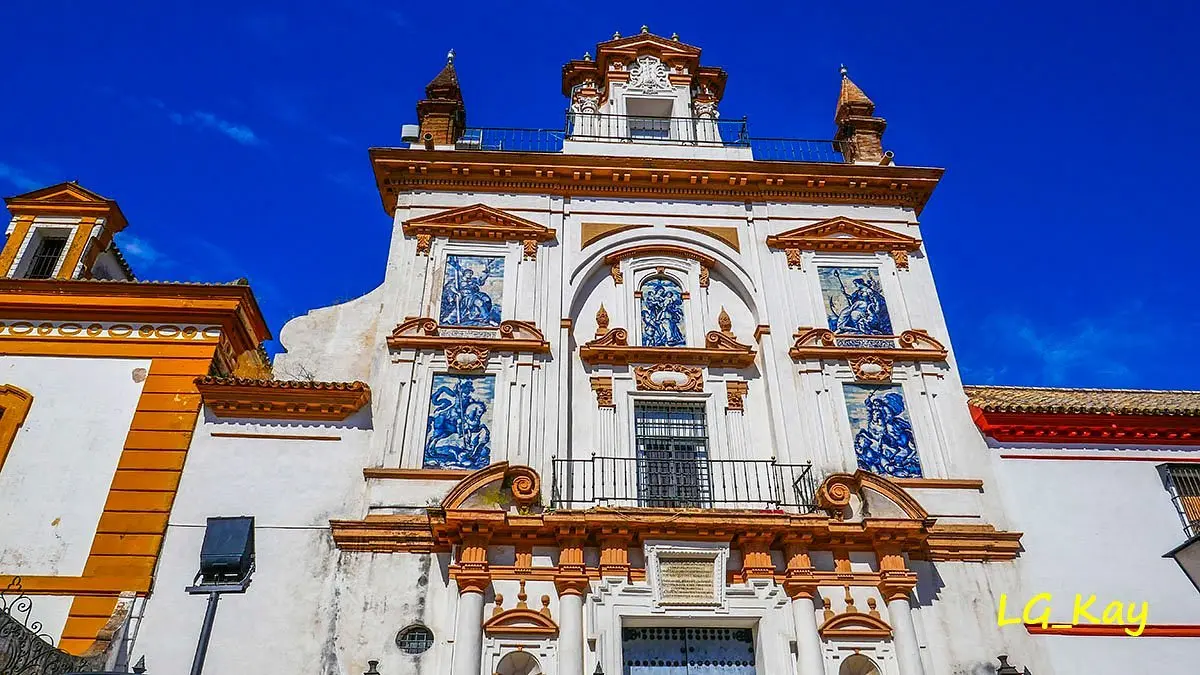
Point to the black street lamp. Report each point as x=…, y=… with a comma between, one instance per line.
x=226, y=563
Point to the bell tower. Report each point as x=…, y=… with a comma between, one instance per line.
x=63, y=231
x=860, y=131
x=442, y=114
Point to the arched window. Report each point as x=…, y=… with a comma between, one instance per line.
x=662, y=313
x=858, y=664
x=518, y=663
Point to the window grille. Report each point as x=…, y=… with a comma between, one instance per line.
x=672, y=454
x=45, y=258
x=415, y=639
x=1184, y=482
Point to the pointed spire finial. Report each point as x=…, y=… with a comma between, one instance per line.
x=843, y=71
x=645, y=28
x=450, y=57
x=616, y=35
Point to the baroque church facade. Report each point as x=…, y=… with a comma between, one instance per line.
x=645, y=396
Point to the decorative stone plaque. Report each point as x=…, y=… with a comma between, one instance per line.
x=686, y=581
x=687, y=576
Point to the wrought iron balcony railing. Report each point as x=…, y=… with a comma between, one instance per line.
x=681, y=131
x=670, y=130
x=682, y=482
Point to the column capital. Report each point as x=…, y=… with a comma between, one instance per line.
x=897, y=585
x=473, y=579
x=571, y=584
x=800, y=584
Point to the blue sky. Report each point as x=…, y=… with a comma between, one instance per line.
x=235, y=136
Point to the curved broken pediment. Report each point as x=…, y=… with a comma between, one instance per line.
x=496, y=487
x=882, y=497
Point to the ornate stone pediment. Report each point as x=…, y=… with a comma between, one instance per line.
x=843, y=234
x=478, y=222
x=855, y=625
x=66, y=199
x=511, y=336
x=521, y=622
x=720, y=349
x=822, y=343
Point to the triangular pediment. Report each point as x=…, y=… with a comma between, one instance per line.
x=478, y=221
x=843, y=234
x=650, y=42
x=62, y=193
x=67, y=199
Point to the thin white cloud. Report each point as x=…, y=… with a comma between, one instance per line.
x=22, y=181
x=140, y=252
x=206, y=120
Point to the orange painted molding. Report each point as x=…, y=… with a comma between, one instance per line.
x=277, y=399
x=402, y=170
x=415, y=474
x=14, y=408
x=1179, y=630
x=520, y=621
x=840, y=234
x=98, y=586
x=665, y=250
x=462, y=223
x=855, y=625
x=821, y=343
x=720, y=350
x=510, y=337
x=939, y=483
x=67, y=199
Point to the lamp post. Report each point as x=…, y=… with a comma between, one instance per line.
x=1187, y=556
x=226, y=563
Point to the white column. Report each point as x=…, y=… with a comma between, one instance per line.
x=570, y=634
x=904, y=637
x=809, y=659
x=468, y=635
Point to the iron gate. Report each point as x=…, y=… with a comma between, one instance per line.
x=688, y=651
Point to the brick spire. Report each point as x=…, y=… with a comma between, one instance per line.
x=859, y=133
x=442, y=114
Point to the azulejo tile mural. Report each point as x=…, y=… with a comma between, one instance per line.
x=460, y=421
x=662, y=313
x=472, y=290
x=883, y=433
x=854, y=303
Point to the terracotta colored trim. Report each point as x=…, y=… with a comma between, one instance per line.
x=66, y=199
x=458, y=223
x=720, y=350
x=823, y=236
x=274, y=437
x=855, y=625
x=821, y=343
x=725, y=235
x=939, y=483
x=14, y=404
x=1179, y=630
x=74, y=253
x=400, y=170
x=415, y=474
x=13, y=245
x=1162, y=459
x=87, y=586
x=512, y=337
x=972, y=543
x=520, y=621
x=274, y=399
x=667, y=250
x=589, y=233
x=1093, y=428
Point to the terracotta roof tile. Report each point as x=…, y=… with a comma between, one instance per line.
x=1084, y=401
x=281, y=384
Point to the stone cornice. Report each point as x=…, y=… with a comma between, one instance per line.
x=510, y=337
x=276, y=399
x=399, y=170
x=822, y=343
x=462, y=223
x=720, y=350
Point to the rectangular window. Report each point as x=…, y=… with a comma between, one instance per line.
x=1184, y=483
x=45, y=258
x=672, y=454
x=650, y=128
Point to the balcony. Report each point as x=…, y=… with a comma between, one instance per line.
x=623, y=134
x=694, y=482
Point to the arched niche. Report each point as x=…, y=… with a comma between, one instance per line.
x=729, y=288
x=857, y=664
x=518, y=663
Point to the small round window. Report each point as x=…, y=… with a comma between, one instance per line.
x=415, y=639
